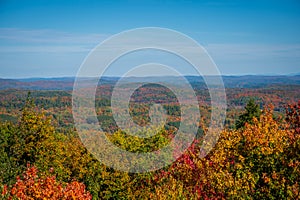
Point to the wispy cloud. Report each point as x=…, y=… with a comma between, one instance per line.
x=48, y=48
x=256, y=58
x=45, y=49
x=14, y=40
x=46, y=40
x=47, y=36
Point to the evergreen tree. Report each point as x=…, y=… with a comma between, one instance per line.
x=251, y=110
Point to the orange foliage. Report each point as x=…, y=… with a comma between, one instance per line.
x=32, y=186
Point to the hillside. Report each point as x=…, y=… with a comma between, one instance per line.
x=66, y=83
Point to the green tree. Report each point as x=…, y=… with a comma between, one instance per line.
x=9, y=168
x=251, y=110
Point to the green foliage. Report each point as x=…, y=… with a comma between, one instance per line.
x=259, y=161
x=7, y=118
x=137, y=144
x=34, y=140
x=9, y=167
x=251, y=110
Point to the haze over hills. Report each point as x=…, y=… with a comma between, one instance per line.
x=66, y=83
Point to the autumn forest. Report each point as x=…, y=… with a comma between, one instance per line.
x=257, y=155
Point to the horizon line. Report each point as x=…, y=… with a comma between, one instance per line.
x=116, y=76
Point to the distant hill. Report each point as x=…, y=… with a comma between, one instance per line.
x=37, y=84
x=259, y=81
x=66, y=83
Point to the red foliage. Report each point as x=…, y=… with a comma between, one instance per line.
x=31, y=186
x=293, y=116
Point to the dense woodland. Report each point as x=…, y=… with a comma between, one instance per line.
x=256, y=157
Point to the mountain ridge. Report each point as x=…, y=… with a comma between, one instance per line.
x=66, y=83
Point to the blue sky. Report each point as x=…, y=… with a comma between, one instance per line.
x=52, y=38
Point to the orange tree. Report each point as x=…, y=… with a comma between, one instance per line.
x=34, y=141
x=32, y=186
x=259, y=161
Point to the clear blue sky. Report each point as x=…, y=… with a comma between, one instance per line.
x=49, y=38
